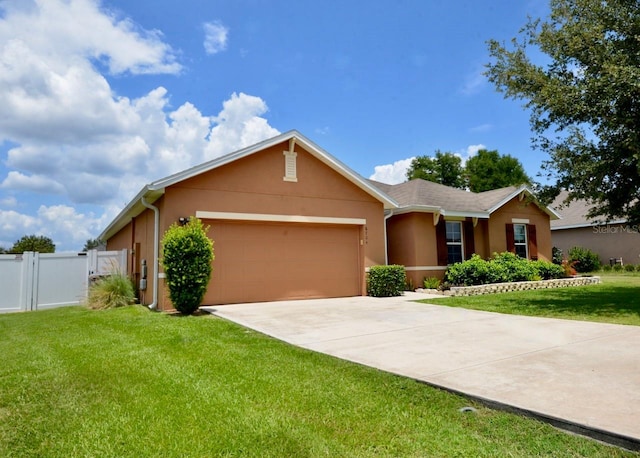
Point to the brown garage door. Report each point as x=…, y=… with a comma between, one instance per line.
x=279, y=261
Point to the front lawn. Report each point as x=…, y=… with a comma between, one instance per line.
x=131, y=383
x=615, y=300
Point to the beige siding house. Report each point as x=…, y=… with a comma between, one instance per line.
x=611, y=241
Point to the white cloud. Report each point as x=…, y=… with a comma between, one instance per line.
x=9, y=201
x=392, y=173
x=35, y=183
x=472, y=150
x=75, y=137
x=474, y=82
x=215, y=37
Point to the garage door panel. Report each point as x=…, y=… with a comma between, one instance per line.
x=262, y=262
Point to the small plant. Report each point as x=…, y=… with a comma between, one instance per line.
x=115, y=290
x=187, y=257
x=569, y=268
x=617, y=267
x=431, y=283
x=386, y=281
x=629, y=268
x=557, y=256
x=606, y=268
x=586, y=260
x=408, y=285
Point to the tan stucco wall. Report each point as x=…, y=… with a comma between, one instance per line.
x=412, y=238
x=607, y=241
x=412, y=243
x=519, y=210
x=255, y=184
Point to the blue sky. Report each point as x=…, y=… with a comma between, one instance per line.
x=98, y=98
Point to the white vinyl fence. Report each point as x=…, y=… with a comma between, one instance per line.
x=37, y=281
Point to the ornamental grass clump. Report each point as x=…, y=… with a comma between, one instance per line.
x=187, y=258
x=115, y=290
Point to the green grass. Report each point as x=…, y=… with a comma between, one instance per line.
x=130, y=383
x=615, y=300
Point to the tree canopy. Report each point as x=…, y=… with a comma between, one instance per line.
x=444, y=168
x=485, y=171
x=92, y=244
x=584, y=98
x=489, y=170
x=38, y=243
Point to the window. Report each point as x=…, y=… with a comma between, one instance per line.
x=454, y=242
x=520, y=240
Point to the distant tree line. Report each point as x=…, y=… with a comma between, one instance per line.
x=43, y=244
x=485, y=171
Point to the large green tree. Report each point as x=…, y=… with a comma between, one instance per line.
x=38, y=243
x=444, y=168
x=578, y=72
x=489, y=170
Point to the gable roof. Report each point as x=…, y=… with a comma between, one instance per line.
x=153, y=191
x=574, y=213
x=427, y=196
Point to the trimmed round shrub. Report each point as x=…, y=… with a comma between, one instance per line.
x=585, y=259
x=607, y=268
x=386, y=281
x=629, y=268
x=115, y=290
x=187, y=258
x=617, y=268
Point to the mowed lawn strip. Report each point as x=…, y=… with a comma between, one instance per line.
x=131, y=383
x=615, y=300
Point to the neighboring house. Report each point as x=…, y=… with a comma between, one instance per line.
x=436, y=225
x=290, y=221
x=611, y=241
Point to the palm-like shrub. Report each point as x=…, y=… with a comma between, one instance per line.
x=187, y=257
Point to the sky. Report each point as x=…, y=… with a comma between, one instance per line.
x=99, y=98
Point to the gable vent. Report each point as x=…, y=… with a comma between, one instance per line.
x=290, y=168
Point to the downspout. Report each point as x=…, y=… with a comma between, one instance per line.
x=156, y=242
x=386, y=242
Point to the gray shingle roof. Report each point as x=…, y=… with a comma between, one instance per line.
x=427, y=193
x=573, y=214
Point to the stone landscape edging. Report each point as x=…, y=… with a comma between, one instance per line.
x=521, y=286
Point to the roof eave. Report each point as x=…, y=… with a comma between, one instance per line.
x=553, y=215
x=133, y=209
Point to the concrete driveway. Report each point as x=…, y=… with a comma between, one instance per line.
x=581, y=376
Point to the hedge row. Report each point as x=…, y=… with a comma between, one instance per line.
x=501, y=268
x=386, y=281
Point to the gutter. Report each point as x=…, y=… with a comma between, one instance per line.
x=386, y=242
x=156, y=241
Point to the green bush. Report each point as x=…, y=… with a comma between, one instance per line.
x=386, y=281
x=431, y=283
x=115, y=290
x=187, y=257
x=606, y=268
x=617, y=268
x=548, y=270
x=586, y=260
x=629, y=268
x=511, y=267
x=502, y=267
x=474, y=271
